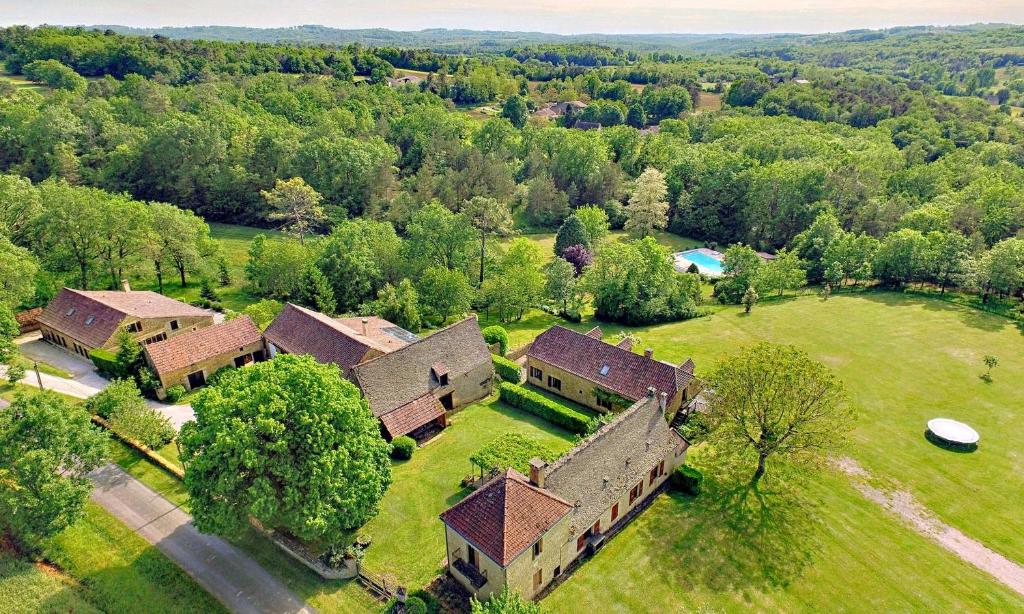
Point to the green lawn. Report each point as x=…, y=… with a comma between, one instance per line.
x=686, y=555
x=26, y=588
x=119, y=571
x=904, y=359
x=234, y=240
x=408, y=538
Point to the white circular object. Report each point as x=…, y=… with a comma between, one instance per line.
x=953, y=431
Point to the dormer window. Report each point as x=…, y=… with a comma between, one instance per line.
x=604, y=369
x=439, y=372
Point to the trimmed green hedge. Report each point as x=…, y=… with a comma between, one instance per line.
x=539, y=405
x=506, y=369
x=687, y=479
x=106, y=363
x=496, y=334
x=403, y=447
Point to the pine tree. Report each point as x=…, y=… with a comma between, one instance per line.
x=648, y=205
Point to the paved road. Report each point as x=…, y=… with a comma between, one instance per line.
x=85, y=382
x=223, y=570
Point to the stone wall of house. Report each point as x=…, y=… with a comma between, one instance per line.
x=458, y=548
x=672, y=459
x=521, y=571
x=471, y=386
x=208, y=367
x=151, y=327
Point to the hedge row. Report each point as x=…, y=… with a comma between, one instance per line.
x=106, y=362
x=506, y=369
x=539, y=405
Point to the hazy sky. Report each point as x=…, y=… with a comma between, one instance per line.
x=562, y=16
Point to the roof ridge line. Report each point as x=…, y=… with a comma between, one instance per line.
x=601, y=432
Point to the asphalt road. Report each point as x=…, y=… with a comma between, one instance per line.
x=223, y=570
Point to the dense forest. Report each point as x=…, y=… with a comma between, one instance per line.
x=881, y=146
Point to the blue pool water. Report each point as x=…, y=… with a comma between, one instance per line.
x=702, y=260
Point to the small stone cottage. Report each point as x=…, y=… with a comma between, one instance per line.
x=525, y=532
x=413, y=388
x=84, y=320
x=585, y=369
x=190, y=358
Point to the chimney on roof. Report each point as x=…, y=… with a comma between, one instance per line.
x=127, y=287
x=365, y=320
x=648, y=352
x=663, y=401
x=537, y=470
x=650, y=392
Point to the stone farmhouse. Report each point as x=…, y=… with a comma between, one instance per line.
x=345, y=342
x=413, y=388
x=81, y=321
x=525, y=533
x=605, y=377
x=190, y=358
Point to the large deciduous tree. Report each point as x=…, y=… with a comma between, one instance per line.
x=47, y=446
x=288, y=442
x=774, y=400
x=296, y=204
x=490, y=217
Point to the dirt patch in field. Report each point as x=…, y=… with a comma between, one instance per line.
x=921, y=519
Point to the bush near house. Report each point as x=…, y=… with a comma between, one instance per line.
x=106, y=363
x=175, y=392
x=403, y=447
x=687, y=479
x=496, y=334
x=506, y=369
x=539, y=405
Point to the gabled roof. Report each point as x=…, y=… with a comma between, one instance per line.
x=196, y=346
x=298, y=330
x=604, y=466
x=393, y=380
x=412, y=415
x=628, y=374
x=505, y=516
x=92, y=317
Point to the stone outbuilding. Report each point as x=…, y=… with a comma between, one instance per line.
x=83, y=320
x=413, y=388
x=605, y=377
x=189, y=359
x=525, y=533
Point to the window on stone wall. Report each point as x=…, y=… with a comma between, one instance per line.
x=536, y=373
x=554, y=382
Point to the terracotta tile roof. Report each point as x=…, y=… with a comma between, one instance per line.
x=92, y=317
x=627, y=374
x=298, y=330
x=393, y=380
x=412, y=415
x=595, y=332
x=28, y=320
x=604, y=466
x=196, y=346
x=505, y=516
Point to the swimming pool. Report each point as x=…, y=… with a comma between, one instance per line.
x=708, y=261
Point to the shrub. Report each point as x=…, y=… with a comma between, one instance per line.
x=219, y=374
x=106, y=363
x=510, y=450
x=687, y=479
x=539, y=405
x=496, y=334
x=15, y=373
x=403, y=447
x=415, y=605
x=175, y=392
x=506, y=369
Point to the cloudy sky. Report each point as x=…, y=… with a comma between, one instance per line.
x=562, y=16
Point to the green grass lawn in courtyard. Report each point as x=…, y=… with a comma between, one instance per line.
x=905, y=359
x=26, y=588
x=408, y=537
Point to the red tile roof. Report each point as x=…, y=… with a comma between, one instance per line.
x=412, y=415
x=92, y=317
x=505, y=516
x=628, y=374
x=196, y=346
x=298, y=330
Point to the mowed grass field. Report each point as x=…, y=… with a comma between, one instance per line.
x=904, y=359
